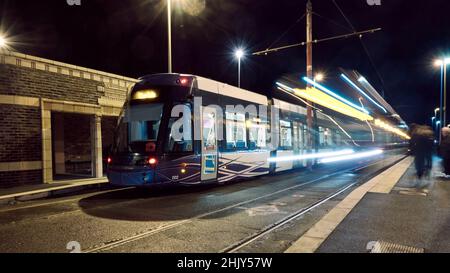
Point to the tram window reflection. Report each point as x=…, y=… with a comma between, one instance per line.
x=182, y=140
x=139, y=127
x=236, y=133
x=286, y=135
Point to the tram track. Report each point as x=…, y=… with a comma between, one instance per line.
x=295, y=215
x=270, y=228
x=235, y=247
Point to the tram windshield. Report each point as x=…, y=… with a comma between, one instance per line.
x=138, y=128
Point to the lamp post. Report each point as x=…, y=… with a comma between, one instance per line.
x=442, y=63
x=169, y=33
x=239, y=54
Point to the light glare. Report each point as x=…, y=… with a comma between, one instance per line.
x=351, y=156
x=391, y=129
x=323, y=99
x=319, y=77
x=239, y=53
x=310, y=156
x=2, y=41
x=331, y=93
x=362, y=92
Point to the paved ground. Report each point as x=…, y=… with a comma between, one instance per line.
x=415, y=214
x=199, y=219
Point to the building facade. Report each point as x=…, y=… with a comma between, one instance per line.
x=56, y=120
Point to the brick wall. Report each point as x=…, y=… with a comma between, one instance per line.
x=20, y=126
x=19, y=178
x=20, y=133
x=29, y=82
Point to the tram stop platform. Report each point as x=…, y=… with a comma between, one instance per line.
x=392, y=213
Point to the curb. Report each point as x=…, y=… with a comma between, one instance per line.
x=46, y=193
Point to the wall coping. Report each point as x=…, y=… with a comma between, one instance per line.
x=65, y=65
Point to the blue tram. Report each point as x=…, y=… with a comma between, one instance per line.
x=223, y=144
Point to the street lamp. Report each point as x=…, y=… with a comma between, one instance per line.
x=192, y=8
x=3, y=42
x=239, y=54
x=319, y=77
x=442, y=63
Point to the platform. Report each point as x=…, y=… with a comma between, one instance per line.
x=31, y=192
x=394, y=212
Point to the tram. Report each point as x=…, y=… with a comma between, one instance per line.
x=221, y=144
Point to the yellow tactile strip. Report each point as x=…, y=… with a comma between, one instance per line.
x=316, y=235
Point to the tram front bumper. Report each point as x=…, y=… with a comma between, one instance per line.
x=138, y=178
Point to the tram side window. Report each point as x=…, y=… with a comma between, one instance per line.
x=257, y=133
x=321, y=136
x=182, y=142
x=339, y=140
x=285, y=135
x=328, y=137
x=301, y=137
x=236, y=133
x=325, y=137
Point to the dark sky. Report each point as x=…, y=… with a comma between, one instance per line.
x=128, y=37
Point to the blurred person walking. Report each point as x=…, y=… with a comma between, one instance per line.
x=421, y=146
x=444, y=150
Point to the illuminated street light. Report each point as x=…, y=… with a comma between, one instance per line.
x=3, y=42
x=319, y=77
x=169, y=26
x=442, y=63
x=239, y=54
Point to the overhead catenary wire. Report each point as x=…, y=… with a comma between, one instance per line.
x=366, y=50
x=287, y=30
x=343, y=36
x=331, y=21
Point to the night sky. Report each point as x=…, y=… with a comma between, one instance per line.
x=129, y=37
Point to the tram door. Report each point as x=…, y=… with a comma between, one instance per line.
x=209, y=144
